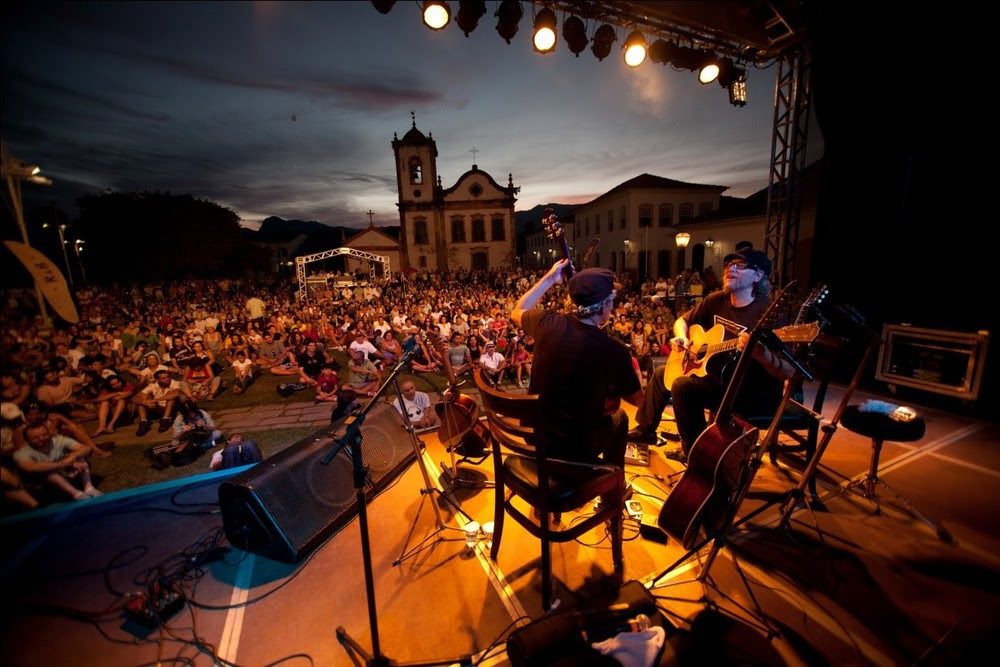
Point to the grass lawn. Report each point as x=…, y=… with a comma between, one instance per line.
x=128, y=467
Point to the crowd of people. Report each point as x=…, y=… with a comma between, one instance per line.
x=149, y=354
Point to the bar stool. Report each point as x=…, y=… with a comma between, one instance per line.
x=902, y=425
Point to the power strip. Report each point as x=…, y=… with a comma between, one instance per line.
x=153, y=611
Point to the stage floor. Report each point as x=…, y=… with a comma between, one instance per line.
x=840, y=586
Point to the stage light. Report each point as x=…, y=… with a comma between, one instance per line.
x=383, y=6
x=544, y=38
x=661, y=51
x=729, y=72
x=437, y=13
x=685, y=57
x=738, y=92
x=508, y=15
x=603, y=39
x=575, y=34
x=469, y=12
x=709, y=68
x=635, y=49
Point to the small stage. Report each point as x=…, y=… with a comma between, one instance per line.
x=841, y=586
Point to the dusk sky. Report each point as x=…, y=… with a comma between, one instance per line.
x=289, y=109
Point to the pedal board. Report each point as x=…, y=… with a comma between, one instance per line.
x=153, y=611
x=637, y=454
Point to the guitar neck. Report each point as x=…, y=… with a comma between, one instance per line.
x=568, y=271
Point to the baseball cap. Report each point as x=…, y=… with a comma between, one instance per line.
x=592, y=286
x=754, y=259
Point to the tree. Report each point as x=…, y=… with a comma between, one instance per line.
x=159, y=236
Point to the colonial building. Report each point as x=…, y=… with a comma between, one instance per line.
x=376, y=242
x=468, y=225
x=637, y=221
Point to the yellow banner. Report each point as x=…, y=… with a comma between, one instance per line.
x=49, y=278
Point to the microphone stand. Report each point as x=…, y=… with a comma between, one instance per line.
x=352, y=441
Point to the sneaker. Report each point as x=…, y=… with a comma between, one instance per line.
x=670, y=436
x=164, y=425
x=143, y=429
x=677, y=455
x=640, y=435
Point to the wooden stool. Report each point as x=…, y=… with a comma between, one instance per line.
x=881, y=427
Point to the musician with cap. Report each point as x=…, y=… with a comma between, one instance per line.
x=738, y=307
x=580, y=372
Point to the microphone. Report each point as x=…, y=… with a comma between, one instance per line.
x=775, y=344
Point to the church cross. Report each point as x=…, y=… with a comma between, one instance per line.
x=474, y=151
x=371, y=217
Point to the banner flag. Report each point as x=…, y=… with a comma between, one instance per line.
x=49, y=278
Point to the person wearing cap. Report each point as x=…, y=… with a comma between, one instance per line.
x=737, y=308
x=580, y=372
x=492, y=363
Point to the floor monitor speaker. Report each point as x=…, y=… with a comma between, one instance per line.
x=287, y=505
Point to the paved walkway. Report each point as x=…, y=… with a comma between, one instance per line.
x=300, y=413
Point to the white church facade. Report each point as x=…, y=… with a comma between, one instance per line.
x=469, y=225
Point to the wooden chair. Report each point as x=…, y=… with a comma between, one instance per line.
x=548, y=485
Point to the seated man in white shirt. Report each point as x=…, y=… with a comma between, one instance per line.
x=418, y=407
x=362, y=343
x=492, y=363
x=158, y=398
x=58, y=460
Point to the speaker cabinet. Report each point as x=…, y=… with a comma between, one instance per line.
x=288, y=504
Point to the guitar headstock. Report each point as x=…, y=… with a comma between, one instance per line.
x=799, y=333
x=553, y=228
x=815, y=298
x=779, y=304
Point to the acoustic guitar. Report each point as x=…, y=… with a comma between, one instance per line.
x=702, y=498
x=705, y=344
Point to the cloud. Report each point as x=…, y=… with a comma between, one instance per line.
x=371, y=90
x=89, y=98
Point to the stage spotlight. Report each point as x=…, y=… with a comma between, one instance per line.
x=383, y=6
x=437, y=13
x=508, y=15
x=738, y=92
x=685, y=57
x=661, y=51
x=575, y=34
x=709, y=69
x=603, y=39
x=469, y=12
x=635, y=49
x=544, y=38
x=729, y=72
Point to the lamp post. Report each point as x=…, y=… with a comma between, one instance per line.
x=62, y=244
x=78, y=246
x=682, y=239
x=15, y=171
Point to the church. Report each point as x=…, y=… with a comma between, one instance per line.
x=469, y=225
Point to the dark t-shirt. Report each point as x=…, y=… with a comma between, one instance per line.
x=577, y=367
x=760, y=390
x=312, y=366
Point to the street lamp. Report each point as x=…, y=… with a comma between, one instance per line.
x=682, y=239
x=78, y=246
x=62, y=244
x=15, y=171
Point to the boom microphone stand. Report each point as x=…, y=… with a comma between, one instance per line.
x=352, y=441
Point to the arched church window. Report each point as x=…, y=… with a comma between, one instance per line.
x=416, y=169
